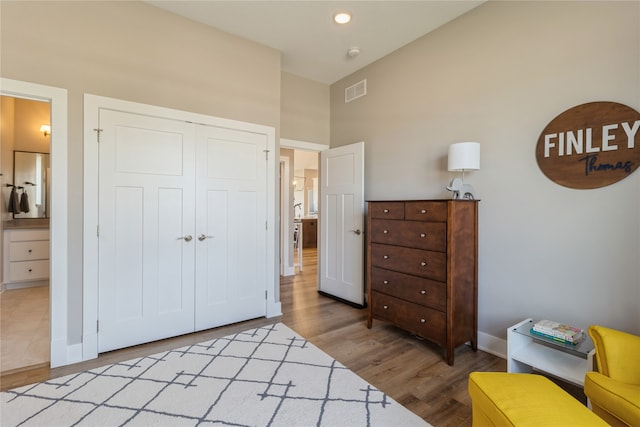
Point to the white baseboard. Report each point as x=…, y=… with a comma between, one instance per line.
x=493, y=345
x=63, y=354
x=74, y=353
x=24, y=285
x=274, y=309
x=289, y=271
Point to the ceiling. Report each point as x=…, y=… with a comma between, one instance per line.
x=312, y=44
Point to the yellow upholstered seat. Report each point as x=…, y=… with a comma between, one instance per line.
x=614, y=391
x=509, y=399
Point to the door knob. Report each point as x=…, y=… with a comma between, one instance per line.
x=187, y=238
x=201, y=237
x=358, y=232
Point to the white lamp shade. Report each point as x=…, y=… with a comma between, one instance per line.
x=464, y=156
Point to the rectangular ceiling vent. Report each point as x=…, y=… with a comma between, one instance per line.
x=355, y=91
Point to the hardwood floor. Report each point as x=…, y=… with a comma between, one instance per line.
x=411, y=371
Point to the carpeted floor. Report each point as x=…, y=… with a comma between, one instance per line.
x=268, y=376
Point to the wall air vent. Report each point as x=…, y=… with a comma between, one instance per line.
x=355, y=91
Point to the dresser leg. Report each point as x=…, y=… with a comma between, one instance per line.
x=449, y=355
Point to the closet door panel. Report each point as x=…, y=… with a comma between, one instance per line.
x=146, y=208
x=170, y=252
x=231, y=220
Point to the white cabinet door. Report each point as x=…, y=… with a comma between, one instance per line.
x=146, y=208
x=231, y=219
x=342, y=223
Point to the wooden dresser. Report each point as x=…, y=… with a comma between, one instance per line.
x=309, y=232
x=422, y=269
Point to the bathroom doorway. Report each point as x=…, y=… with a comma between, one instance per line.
x=24, y=234
x=299, y=202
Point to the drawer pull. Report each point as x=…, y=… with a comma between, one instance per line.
x=423, y=211
x=385, y=231
x=386, y=282
x=423, y=235
x=423, y=321
x=386, y=257
x=423, y=263
x=423, y=292
x=29, y=270
x=385, y=307
x=386, y=211
x=30, y=251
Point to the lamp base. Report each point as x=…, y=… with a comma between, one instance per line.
x=461, y=190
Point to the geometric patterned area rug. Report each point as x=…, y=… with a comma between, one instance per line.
x=268, y=376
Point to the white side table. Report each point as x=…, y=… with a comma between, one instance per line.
x=564, y=361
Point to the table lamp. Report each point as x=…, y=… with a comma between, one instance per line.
x=463, y=156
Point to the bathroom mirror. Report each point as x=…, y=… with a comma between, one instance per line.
x=31, y=171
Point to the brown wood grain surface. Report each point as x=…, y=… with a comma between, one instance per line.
x=572, y=152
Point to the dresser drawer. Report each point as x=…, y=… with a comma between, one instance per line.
x=387, y=210
x=411, y=288
x=414, y=318
x=28, y=270
x=421, y=235
x=426, y=211
x=23, y=251
x=417, y=262
x=25, y=235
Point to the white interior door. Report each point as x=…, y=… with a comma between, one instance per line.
x=342, y=223
x=231, y=219
x=146, y=208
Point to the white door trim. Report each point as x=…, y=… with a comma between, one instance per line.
x=92, y=106
x=287, y=235
x=61, y=351
x=302, y=145
x=286, y=266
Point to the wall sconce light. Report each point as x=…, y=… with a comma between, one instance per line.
x=463, y=156
x=46, y=130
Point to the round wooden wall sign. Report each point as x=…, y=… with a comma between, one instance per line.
x=591, y=145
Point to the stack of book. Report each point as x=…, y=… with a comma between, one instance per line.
x=558, y=332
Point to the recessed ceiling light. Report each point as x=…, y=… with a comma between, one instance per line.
x=342, y=17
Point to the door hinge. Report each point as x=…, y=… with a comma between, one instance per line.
x=97, y=326
x=266, y=295
x=98, y=130
x=97, y=231
x=266, y=153
x=266, y=225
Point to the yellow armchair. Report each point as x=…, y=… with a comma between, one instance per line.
x=614, y=391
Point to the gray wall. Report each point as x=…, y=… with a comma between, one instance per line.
x=136, y=52
x=304, y=110
x=498, y=75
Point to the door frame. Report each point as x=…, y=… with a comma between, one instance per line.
x=61, y=352
x=92, y=106
x=286, y=268
x=286, y=237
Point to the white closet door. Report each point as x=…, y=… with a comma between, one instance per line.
x=146, y=266
x=231, y=219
